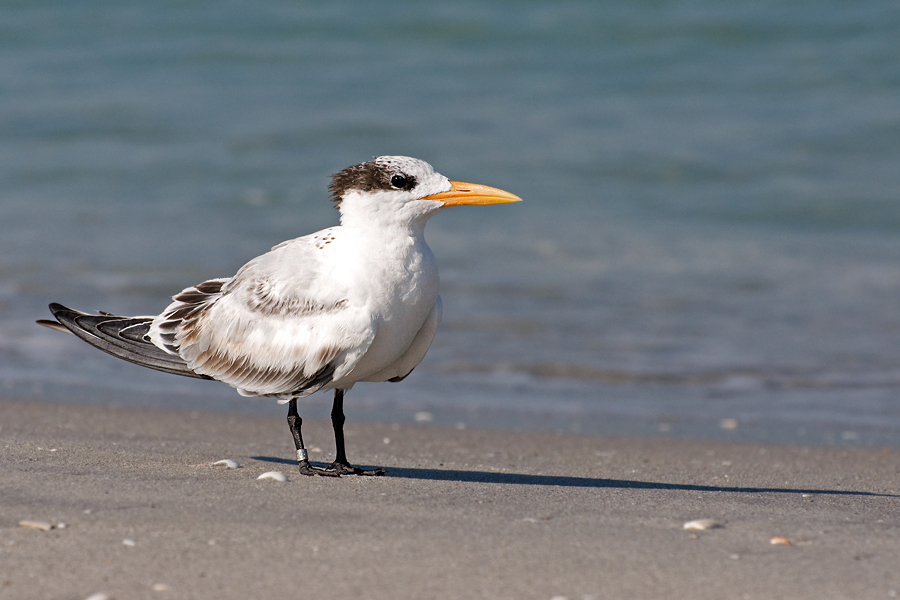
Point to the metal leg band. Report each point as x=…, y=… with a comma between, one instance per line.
x=302, y=455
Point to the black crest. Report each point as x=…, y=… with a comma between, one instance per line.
x=368, y=177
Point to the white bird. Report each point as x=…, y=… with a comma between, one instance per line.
x=356, y=302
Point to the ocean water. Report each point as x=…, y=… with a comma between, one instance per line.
x=709, y=245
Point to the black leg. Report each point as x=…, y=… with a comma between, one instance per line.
x=295, y=422
x=337, y=422
x=341, y=465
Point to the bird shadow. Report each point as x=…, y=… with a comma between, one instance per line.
x=459, y=476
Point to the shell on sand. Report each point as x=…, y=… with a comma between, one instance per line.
x=276, y=475
x=701, y=525
x=780, y=541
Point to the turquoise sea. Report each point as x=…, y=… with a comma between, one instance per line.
x=709, y=245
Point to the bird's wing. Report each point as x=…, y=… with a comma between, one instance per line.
x=280, y=327
x=124, y=337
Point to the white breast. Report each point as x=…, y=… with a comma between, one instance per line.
x=399, y=287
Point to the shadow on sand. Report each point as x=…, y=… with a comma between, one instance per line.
x=583, y=482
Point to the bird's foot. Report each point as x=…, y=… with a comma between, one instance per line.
x=308, y=469
x=336, y=469
x=342, y=468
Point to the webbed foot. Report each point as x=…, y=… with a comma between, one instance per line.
x=347, y=469
x=307, y=469
x=337, y=469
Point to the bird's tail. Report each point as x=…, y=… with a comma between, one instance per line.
x=124, y=337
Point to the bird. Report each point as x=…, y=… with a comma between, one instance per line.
x=355, y=302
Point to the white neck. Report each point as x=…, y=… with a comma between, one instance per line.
x=382, y=211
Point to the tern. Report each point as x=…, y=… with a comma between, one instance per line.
x=354, y=302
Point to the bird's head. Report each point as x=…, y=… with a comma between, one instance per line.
x=404, y=189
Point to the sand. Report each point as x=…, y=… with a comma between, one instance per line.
x=461, y=513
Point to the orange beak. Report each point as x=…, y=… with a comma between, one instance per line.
x=471, y=193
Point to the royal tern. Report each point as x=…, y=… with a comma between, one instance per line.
x=355, y=302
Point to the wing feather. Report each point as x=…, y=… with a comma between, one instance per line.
x=271, y=330
x=123, y=337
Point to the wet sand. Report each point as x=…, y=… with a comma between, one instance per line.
x=461, y=513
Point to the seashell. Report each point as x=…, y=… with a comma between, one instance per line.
x=701, y=525
x=780, y=541
x=42, y=525
x=129, y=542
x=276, y=475
x=227, y=463
x=99, y=596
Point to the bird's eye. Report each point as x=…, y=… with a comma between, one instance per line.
x=399, y=181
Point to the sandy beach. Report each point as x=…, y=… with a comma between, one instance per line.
x=137, y=511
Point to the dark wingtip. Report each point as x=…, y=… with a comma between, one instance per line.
x=57, y=308
x=105, y=331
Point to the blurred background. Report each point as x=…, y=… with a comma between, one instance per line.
x=708, y=245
